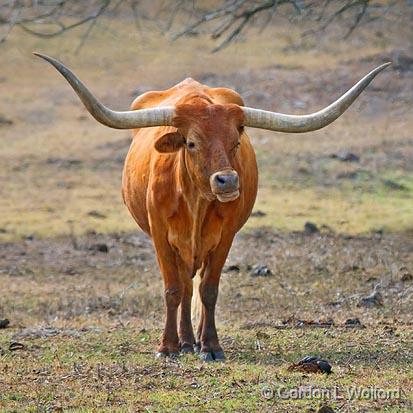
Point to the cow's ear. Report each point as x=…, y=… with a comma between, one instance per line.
x=170, y=142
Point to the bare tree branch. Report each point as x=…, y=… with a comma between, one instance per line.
x=63, y=28
x=243, y=13
x=215, y=14
x=10, y=24
x=51, y=13
x=358, y=18
x=226, y=20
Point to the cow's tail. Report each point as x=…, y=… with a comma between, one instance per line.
x=196, y=298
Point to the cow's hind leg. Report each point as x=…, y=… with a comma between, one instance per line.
x=199, y=331
x=185, y=332
x=200, y=314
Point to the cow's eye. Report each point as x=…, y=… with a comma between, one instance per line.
x=191, y=145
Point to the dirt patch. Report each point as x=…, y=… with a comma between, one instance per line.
x=297, y=271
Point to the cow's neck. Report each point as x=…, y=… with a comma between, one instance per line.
x=197, y=204
x=190, y=190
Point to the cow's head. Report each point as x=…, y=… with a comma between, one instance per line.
x=210, y=133
x=210, y=136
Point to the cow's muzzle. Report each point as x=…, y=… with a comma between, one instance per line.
x=225, y=185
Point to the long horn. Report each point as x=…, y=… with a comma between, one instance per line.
x=119, y=120
x=279, y=122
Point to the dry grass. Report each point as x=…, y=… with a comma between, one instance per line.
x=114, y=370
x=90, y=322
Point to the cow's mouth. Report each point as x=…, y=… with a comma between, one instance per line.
x=228, y=196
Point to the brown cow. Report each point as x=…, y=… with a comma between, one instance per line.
x=190, y=183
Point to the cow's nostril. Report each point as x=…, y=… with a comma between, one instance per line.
x=221, y=179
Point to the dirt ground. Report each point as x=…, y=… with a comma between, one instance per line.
x=80, y=284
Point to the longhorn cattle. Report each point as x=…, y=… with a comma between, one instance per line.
x=190, y=182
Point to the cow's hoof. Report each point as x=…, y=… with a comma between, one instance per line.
x=206, y=356
x=212, y=355
x=187, y=348
x=161, y=354
x=219, y=355
x=167, y=354
x=197, y=348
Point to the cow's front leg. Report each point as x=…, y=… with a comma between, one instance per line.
x=173, y=292
x=210, y=347
x=208, y=289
